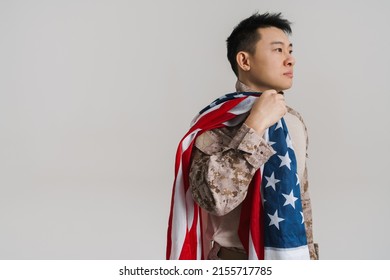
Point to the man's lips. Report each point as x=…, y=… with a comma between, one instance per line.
x=289, y=74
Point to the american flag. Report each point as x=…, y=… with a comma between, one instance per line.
x=284, y=235
x=270, y=233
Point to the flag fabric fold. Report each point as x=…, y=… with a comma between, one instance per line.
x=271, y=223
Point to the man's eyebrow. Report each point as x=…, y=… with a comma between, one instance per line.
x=280, y=43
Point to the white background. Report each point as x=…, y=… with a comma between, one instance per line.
x=96, y=95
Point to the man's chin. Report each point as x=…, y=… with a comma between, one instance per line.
x=285, y=87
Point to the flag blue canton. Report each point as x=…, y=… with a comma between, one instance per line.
x=284, y=222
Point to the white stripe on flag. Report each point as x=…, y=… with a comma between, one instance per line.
x=298, y=253
x=187, y=141
x=252, y=255
x=190, y=209
x=178, y=217
x=244, y=106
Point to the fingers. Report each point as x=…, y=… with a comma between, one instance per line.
x=277, y=101
x=273, y=95
x=269, y=108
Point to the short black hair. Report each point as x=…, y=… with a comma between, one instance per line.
x=245, y=36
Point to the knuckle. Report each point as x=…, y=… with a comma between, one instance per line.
x=270, y=91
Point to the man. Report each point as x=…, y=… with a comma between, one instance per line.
x=243, y=162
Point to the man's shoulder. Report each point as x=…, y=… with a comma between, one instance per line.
x=297, y=117
x=215, y=140
x=296, y=121
x=296, y=114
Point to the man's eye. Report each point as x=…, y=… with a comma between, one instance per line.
x=279, y=50
x=291, y=52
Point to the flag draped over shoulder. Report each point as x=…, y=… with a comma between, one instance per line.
x=271, y=223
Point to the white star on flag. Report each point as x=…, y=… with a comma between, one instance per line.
x=271, y=181
x=289, y=142
x=213, y=104
x=275, y=220
x=279, y=125
x=290, y=199
x=303, y=218
x=271, y=143
x=285, y=160
x=297, y=179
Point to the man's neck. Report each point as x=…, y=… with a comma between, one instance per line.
x=240, y=86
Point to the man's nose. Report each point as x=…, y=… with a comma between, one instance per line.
x=290, y=60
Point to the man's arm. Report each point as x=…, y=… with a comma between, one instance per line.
x=221, y=170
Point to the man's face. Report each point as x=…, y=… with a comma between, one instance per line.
x=271, y=66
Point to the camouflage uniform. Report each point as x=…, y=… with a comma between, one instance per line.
x=223, y=163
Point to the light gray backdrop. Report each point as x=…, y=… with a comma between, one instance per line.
x=95, y=96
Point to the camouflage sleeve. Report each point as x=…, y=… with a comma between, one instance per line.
x=222, y=167
x=307, y=214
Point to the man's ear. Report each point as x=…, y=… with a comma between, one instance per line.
x=243, y=61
